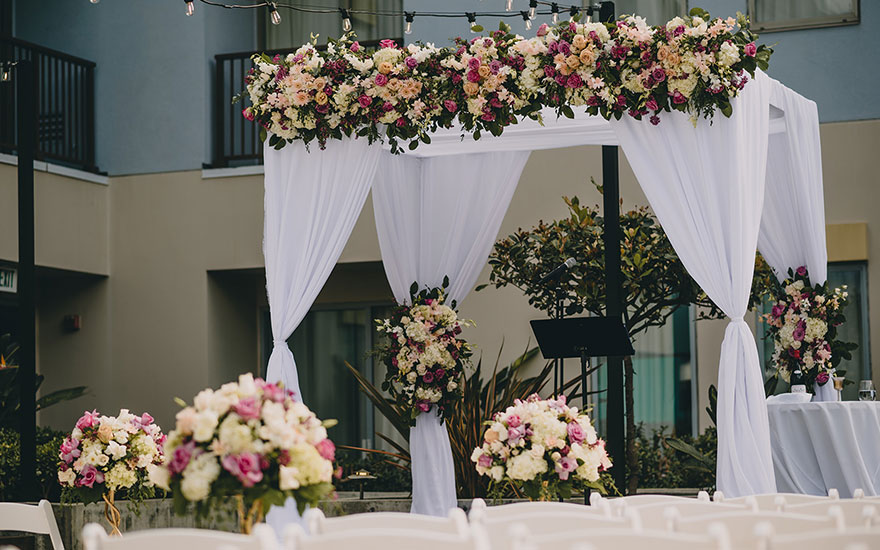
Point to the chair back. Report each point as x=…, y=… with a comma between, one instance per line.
x=823, y=540
x=663, y=515
x=501, y=531
x=744, y=528
x=96, y=538
x=454, y=524
x=644, y=500
x=626, y=539
x=855, y=513
x=28, y=518
x=384, y=539
x=478, y=506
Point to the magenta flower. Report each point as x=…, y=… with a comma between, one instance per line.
x=355, y=46
x=365, y=101
x=181, y=457
x=245, y=467
x=750, y=49
x=574, y=81
x=822, y=378
x=424, y=407
x=565, y=466
x=678, y=98
x=89, y=476
x=439, y=373
x=542, y=30
x=652, y=104
x=655, y=120
x=576, y=433
x=473, y=76
x=428, y=377
x=248, y=408
x=248, y=114
x=485, y=461
x=400, y=122
x=658, y=74
x=411, y=62
x=513, y=421
x=88, y=420
x=326, y=449
x=70, y=450
x=514, y=434
x=387, y=43
x=802, y=270
x=272, y=392
x=799, y=332
x=474, y=63
x=381, y=79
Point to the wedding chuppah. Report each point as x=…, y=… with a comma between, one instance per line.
x=718, y=153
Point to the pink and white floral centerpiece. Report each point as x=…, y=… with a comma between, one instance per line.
x=109, y=456
x=249, y=440
x=542, y=448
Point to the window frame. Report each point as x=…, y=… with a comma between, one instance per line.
x=852, y=18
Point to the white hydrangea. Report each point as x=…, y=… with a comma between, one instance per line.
x=198, y=476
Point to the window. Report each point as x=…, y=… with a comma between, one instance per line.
x=855, y=276
x=656, y=12
x=326, y=339
x=664, y=384
x=296, y=28
x=781, y=15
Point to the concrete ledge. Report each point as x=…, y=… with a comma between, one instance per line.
x=238, y=171
x=41, y=166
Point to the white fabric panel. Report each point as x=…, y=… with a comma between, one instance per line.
x=825, y=392
x=821, y=446
x=312, y=200
x=705, y=182
x=437, y=217
x=793, y=223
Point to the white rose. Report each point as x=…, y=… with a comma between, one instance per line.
x=288, y=478
x=67, y=477
x=204, y=427
x=115, y=450
x=496, y=472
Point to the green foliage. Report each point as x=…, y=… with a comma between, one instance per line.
x=10, y=397
x=683, y=462
x=48, y=447
x=698, y=457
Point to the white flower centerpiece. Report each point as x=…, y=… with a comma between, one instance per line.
x=249, y=440
x=109, y=456
x=542, y=448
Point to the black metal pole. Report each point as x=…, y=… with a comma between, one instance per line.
x=559, y=374
x=585, y=361
x=615, y=415
x=27, y=339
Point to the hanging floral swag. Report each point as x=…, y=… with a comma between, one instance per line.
x=424, y=357
x=694, y=64
x=803, y=324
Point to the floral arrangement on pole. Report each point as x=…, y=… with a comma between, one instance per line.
x=105, y=456
x=803, y=323
x=694, y=64
x=424, y=357
x=251, y=441
x=542, y=448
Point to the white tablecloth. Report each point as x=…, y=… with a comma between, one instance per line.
x=819, y=446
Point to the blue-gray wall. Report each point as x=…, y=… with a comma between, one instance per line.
x=153, y=89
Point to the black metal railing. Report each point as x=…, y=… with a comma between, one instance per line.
x=236, y=140
x=65, y=105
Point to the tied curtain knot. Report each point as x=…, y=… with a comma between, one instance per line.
x=737, y=320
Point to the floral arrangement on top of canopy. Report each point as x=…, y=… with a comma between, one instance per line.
x=693, y=64
x=424, y=357
x=107, y=455
x=803, y=326
x=543, y=448
x=249, y=440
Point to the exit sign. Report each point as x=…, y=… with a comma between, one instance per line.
x=8, y=280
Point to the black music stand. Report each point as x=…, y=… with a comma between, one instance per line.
x=582, y=337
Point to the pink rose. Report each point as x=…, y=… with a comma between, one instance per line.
x=474, y=63
x=248, y=408
x=248, y=113
x=245, y=467
x=473, y=76
x=658, y=74
x=88, y=420
x=652, y=104
x=542, y=30
x=428, y=377
x=70, y=450
x=381, y=79
x=272, y=392
x=513, y=421
x=485, y=461
x=400, y=122
x=424, y=407
x=355, y=46
x=565, y=466
x=514, y=434
x=365, y=101
x=411, y=62
x=576, y=433
x=387, y=43
x=89, y=476
x=181, y=457
x=750, y=49
x=326, y=449
x=802, y=270
x=822, y=378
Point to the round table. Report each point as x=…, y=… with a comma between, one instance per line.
x=820, y=446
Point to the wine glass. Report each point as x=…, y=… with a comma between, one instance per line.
x=838, y=385
x=867, y=391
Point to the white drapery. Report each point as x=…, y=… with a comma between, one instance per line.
x=312, y=200
x=705, y=182
x=439, y=217
x=793, y=223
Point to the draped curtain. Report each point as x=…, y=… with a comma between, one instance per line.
x=705, y=183
x=439, y=217
x=312, y=200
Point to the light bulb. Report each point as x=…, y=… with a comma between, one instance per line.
x=472, y=21
x=346, y=24
x=554, y=8
x=274, y=15
x=190, y=7
x=409, y=21
x=573, y=13
x=509, y=5
x=533, y=8
x=94, y=1
x=5, y=75
x=527, y=19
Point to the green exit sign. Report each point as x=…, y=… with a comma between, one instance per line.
x=8, y=280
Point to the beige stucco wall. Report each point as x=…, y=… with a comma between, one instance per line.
x=174, y=308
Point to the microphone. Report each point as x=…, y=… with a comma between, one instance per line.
x=558, y=271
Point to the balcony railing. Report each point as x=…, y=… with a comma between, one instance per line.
x=236, y=140
x=65, y=105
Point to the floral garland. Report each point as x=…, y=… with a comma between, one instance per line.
x=110, y=454
x=803, y=325
x=694, y=64
x=424, y=358
x=248, y=440
x=544, y=448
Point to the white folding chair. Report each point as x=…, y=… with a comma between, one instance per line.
x=598, y=506
x=625, y=539
x=644, y=500
x=744, y=528
x=501, y=530
x=662, y=516
x=869, y=539
x=385, y=539
x=29, y=518
x=96, y=538
x=455, y=524
x=855, y=513
x=778, y=502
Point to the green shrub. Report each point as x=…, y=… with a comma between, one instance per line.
x=683, y=462
x=48, y=447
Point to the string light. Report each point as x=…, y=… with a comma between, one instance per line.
x=527, y=19
x=533, y=8
x=5, y=74
x=346, y=19
x=573, y=12
x=554, y=9
x=94, y=1
x=509, y=5
x=274, y=16
x=410, y=15
x=190, y=7
x=472, y=20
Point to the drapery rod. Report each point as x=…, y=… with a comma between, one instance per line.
x=345, y=13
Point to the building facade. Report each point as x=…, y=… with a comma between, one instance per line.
x=154, y=242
